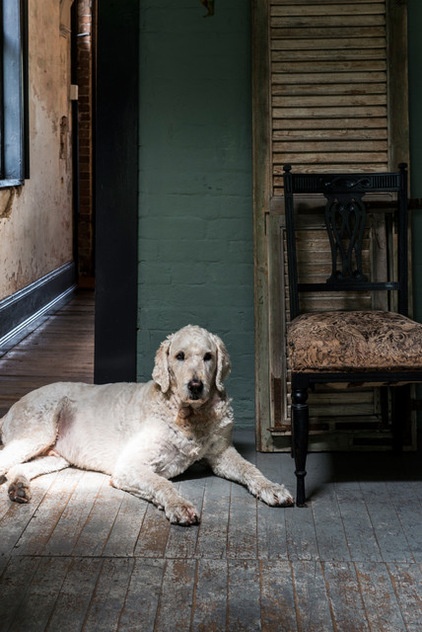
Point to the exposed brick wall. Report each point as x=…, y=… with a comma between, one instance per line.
x=85, y=101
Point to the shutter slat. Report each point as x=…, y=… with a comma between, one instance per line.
x=367, y=80
x=343, y=134
x=305, y=7
x=322, y=60
x=323, y=146
x=327, y=124
x=328, y=44
x=328, y=101
x=333, y=112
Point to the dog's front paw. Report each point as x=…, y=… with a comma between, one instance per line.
x=275, y=495
x=19, y=490
x=182, y=513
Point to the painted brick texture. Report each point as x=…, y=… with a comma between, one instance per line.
x=195, y=205
x=415, y=137
x=85, y=97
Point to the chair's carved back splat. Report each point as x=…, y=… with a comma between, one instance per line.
x=345, y=218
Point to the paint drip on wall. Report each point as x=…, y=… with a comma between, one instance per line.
x=209, y=5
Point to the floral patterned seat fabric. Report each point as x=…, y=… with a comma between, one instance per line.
x=354, y=341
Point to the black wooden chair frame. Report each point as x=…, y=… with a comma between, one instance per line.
x=347, y=275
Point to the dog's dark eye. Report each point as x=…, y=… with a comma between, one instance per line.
x=207, y=357
x=180, y=356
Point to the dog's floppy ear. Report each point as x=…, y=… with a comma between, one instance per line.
x=223, y=363
x=160, y=374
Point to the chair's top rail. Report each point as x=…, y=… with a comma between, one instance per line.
x=345, y=183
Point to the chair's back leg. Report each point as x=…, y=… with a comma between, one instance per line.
x=300, y=427
x=401, y=409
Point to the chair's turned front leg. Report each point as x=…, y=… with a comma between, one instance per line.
x=300, y=415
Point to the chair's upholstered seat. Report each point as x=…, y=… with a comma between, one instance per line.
x=354, y=341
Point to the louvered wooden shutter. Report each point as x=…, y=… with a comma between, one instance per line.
x=329, y=86
x=336, y=97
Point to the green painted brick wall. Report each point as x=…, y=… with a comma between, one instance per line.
x=415, y=120
x=415, y=139
x=195, y=206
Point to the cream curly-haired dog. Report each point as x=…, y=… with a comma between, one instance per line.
x=140, y=434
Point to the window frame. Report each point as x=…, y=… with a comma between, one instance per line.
x=14, y=162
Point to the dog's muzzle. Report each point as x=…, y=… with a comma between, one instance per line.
x=195, y=388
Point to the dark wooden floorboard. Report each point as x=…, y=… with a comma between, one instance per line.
x=62, y=348
x=345, y=597
x=85, y=556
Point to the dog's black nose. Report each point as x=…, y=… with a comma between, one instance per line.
x=195, y=387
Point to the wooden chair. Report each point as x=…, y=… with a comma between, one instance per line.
x=375, y=341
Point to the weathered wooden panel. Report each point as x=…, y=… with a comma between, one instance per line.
x=333, y=83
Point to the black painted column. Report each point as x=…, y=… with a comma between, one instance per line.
x=116, y=190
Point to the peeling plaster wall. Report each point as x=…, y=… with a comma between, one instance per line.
x=36, y=219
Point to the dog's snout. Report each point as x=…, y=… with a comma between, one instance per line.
x=195, y=387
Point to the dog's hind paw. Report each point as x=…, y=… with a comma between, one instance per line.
x=19, y=490
x=182, y=513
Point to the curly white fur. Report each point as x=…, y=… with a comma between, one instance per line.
x=142, y=435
